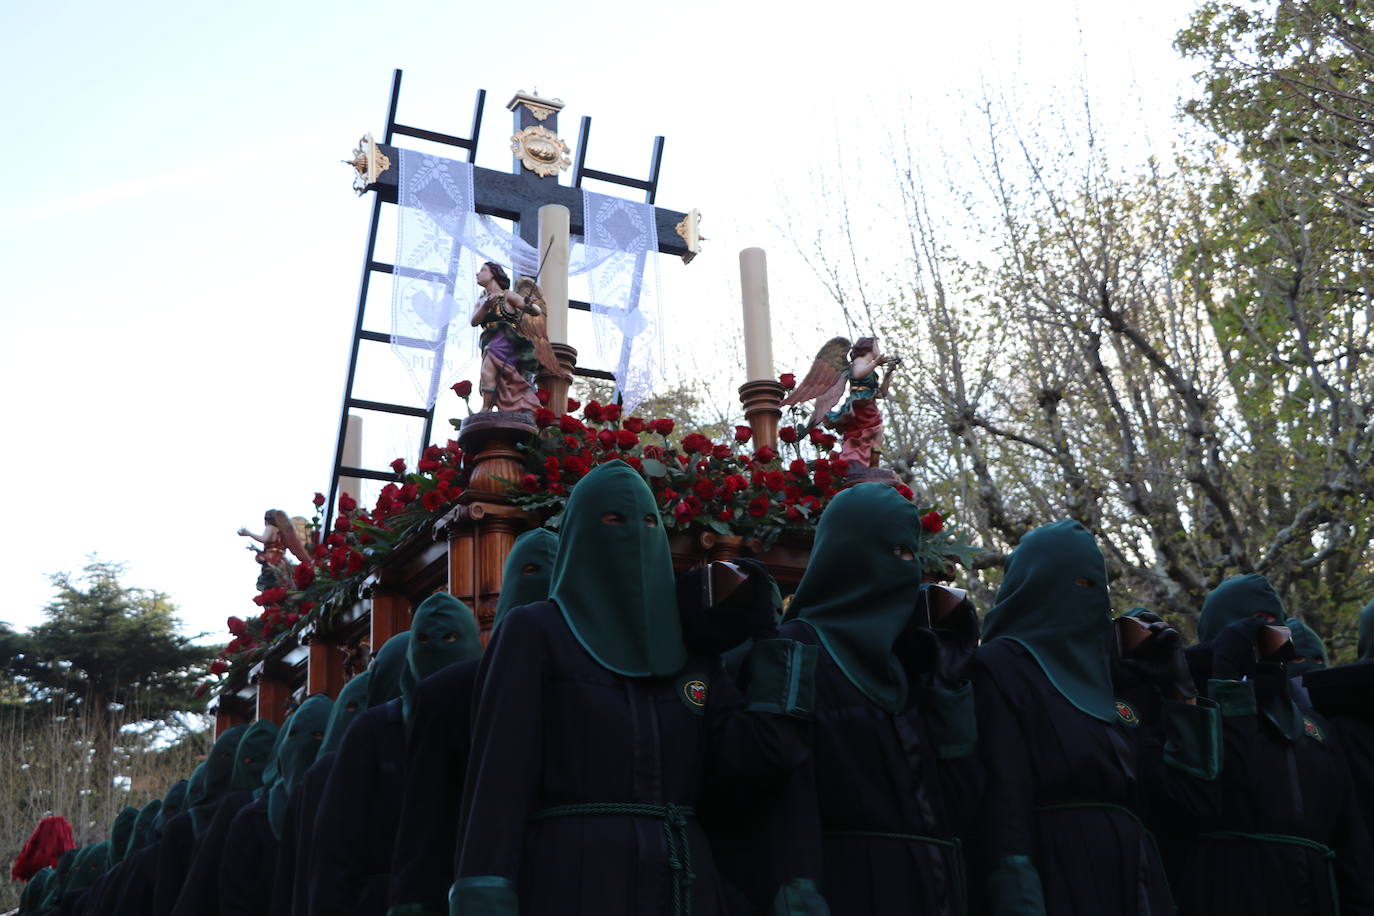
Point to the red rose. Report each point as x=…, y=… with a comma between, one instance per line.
x=634, y=425
x=292, y=618
x=720, y=451
x=307, y=607
x=743, y=433
x=318, y=500
x=334, y=540
x=758, y=507
x=543, y=395
x=764, y=455
x=662, y=426
x=570, y=424
x=732, y=483
x=822, y=479
x=606, y=438
x=219, y=666
x=234, y=647
x=634, y=462
x=347, y=503
x=726, y=515
x=355, y=561
x=237, y=626
x=839, y=466
x=827, y=441
x=931, y=521
x=682, y=511
x=704, y=487
x=463, y=389
x=593, y=412
x=342, y=523
x=774, y=480
x=201, y=689
x=529, y=483
x=274, y=595
x=610, y=412
x=573, y=404
x=793, y=514
x=408, y=492
x=653, y=451
x=788, y=434
x=788, y=380
x=399, y=466
x=428, y=464
x=797, y=466
x=432, y=500
x=543, y=417
x=626, y=439
x=304, y=575
x=693, y=443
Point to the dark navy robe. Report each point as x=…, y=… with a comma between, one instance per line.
x=248, y=866
x=200, y=892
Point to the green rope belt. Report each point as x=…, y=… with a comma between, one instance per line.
x=1284, y=839
x=952, y=843
x=1107, y=806
x=674, y=819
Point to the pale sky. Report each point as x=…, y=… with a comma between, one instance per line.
x=181, y=249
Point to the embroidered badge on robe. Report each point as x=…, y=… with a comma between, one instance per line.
x=1312, y=730
x=1126, y=714
x=693, y=693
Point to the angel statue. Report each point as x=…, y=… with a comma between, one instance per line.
x=856, y=420
x=280, y=534
x=515, y=340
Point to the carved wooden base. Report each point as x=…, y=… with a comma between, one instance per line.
x=762, y=402
x=489, y=441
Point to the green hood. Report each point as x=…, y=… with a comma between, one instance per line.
x=215, y=778
x=613, y=581
x=172, y=804
x=385, y=683
x=442, y=632
x=120, y=830
x=57, y=884
x=1366, y=644
x=529, y=566
x=352, y=700
x=91, y=862
x=250, y=758
x=143, y=827
x=1310, y=646
x=36, y=890
x=857, y=593
x=298, y=743
x=1235, y=599
x=1066, y=626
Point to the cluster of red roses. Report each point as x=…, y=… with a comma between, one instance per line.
x=698, y=482
x=356, y=543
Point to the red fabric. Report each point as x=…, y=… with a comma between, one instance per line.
x=51, y=838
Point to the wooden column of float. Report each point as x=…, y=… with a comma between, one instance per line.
x=226, y=718
x=390, y=615
x=482, y=528
x=324, y=668
x=272, y=696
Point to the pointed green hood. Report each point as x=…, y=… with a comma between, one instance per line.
x=251, y=756
x=352, y=700
x=143, y=827
x=613, y=575
x=61, y=875
x=215, y=777
x=1235, y=599
x=385, y=683
x=857, y=593
x=36, y=890
x=172, y=803
x=120, y=830
x=442, y=632
x=298, y=744
x=1365, y=646
x=528, y=571
x=91, y=862
x=1065, y=625
x=1310, y=646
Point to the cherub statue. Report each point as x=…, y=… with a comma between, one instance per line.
x=280, y=534
x=856, y=420
x=515, y=341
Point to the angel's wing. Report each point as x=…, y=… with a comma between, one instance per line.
x=534, y=328
x=295, y=539
x=825, y=380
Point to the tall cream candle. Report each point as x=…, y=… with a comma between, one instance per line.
x=758, y=331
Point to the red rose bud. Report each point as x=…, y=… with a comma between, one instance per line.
x=573, y=404
x=764, y=455
x=593, y=412
x=342, y=523
x=610, y=412
x=347, y=503
x=788, y=380
x=543, y=395
x=788, y=434
x=720, y=451
x=758, y=507
x=318, y=500
x=743, y=433
x=570, y=424
x=219, y=666
x=432, y=500
x=237, y=626
x=774, y=480
x=399, y=466
x=793, y=514
x=682, y=511
x=355, y=561
x=797, y=466
x=463, y=389
x=606, y=438
x=544, y=417
x=291, y=619
x=663, y=426
x=529, y=483
x=693, y=443
x=931, y=521
x=634, y=425
x=626, y=439
x=839, y=466
x=274, y=595
x=304, y=575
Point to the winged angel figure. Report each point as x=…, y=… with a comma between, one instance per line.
x=856, y=420
x=515, y=340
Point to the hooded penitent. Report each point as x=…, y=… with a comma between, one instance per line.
x=251, y=756
x=528, y=570
x=1309, y=647
x=1054, y=602
x=352, y=700
x=442, y=632
x=858, y=593
x=51, y=838
x=91, y=862
x=385, y=683
x=210, y=783
x=120, y=831
x=143, y=827
x=1366, y=644
x=613, y=575
x=298, y=744
x=1236, y=599
x=172, y=804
